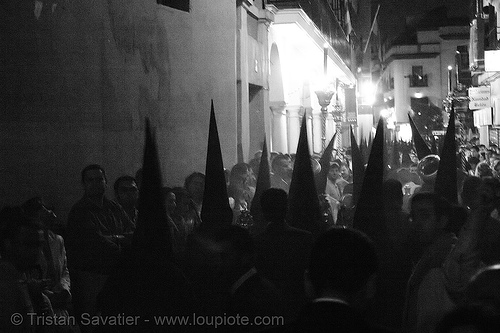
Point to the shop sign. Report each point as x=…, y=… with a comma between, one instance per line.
x=479, y=98
x=492, y=61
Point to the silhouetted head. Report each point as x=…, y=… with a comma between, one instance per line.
x=343, y=261
x=35, y=209
x=21, y=238
x=273, y=202
x=484, y=289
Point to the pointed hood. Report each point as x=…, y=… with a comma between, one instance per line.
x=215, y=211
x=446, y=179
x=358, y=168
x=369, y=148
x=363, y=148
x=396, y=164
x=152, y=235
x=324, y=162
x=369, y=210
x=303, y=202
x=263, y=183
x=420, y=146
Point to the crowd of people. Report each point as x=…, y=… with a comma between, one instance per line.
x=437, y=269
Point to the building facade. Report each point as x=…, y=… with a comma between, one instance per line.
x=79, y=78
x=419, y=74
x=484, y=58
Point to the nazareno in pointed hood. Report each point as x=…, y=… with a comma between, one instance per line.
x=369, y=209
x=263, y=183
x=215, y=212
x=324, y=162
x=152, y=236
x=421, y=147
x=303, y=202
x=358, y=168
x=446, y=178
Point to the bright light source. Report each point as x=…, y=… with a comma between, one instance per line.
x=405, y=133
x=368, y=91
x=385, y=113
x=450, y=68
x=326, y=45
x=419, y=95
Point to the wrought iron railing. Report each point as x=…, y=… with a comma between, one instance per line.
x=320, y=12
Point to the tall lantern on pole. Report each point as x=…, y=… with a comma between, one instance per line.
x=338, y=115
x=325, y=95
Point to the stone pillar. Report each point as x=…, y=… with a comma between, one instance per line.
x=330, y=129
x=309, y=123
x=293, y=114
x=316, y=131
x=279, y=129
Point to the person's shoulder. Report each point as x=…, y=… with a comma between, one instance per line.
x=298, y=232
x=80, y=204
x=111, y=203
x=79, y=209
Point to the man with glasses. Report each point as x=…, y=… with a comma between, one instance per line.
x=127, y=195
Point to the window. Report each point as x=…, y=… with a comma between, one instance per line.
x=417, y=78
x=177, y=4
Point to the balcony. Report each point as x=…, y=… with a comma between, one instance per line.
x=325, y=20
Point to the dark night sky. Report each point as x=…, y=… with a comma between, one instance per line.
x=393, y=12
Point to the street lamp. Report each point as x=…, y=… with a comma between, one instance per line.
x=338, y=115
x=324, y=94
x=449, y=79
x=324, y=98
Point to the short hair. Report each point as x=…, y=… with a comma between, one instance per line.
x=483, y=169
x=123, y=178
x=273, y=203
x=32, y=206
x=192, y=176
x=278, y=158
x=342, y=259
x=334, y=165
x=484, y=288
x=93, y=167
x=238, y=170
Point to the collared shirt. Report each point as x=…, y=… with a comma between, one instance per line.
x=242, y=279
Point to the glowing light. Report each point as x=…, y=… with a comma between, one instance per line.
x=419, y=95
x=326, y=45
x=368, y=91
x=450, y=68
x=404, y=132
x=385, y=113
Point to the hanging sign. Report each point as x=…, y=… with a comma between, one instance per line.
x=480, y=97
